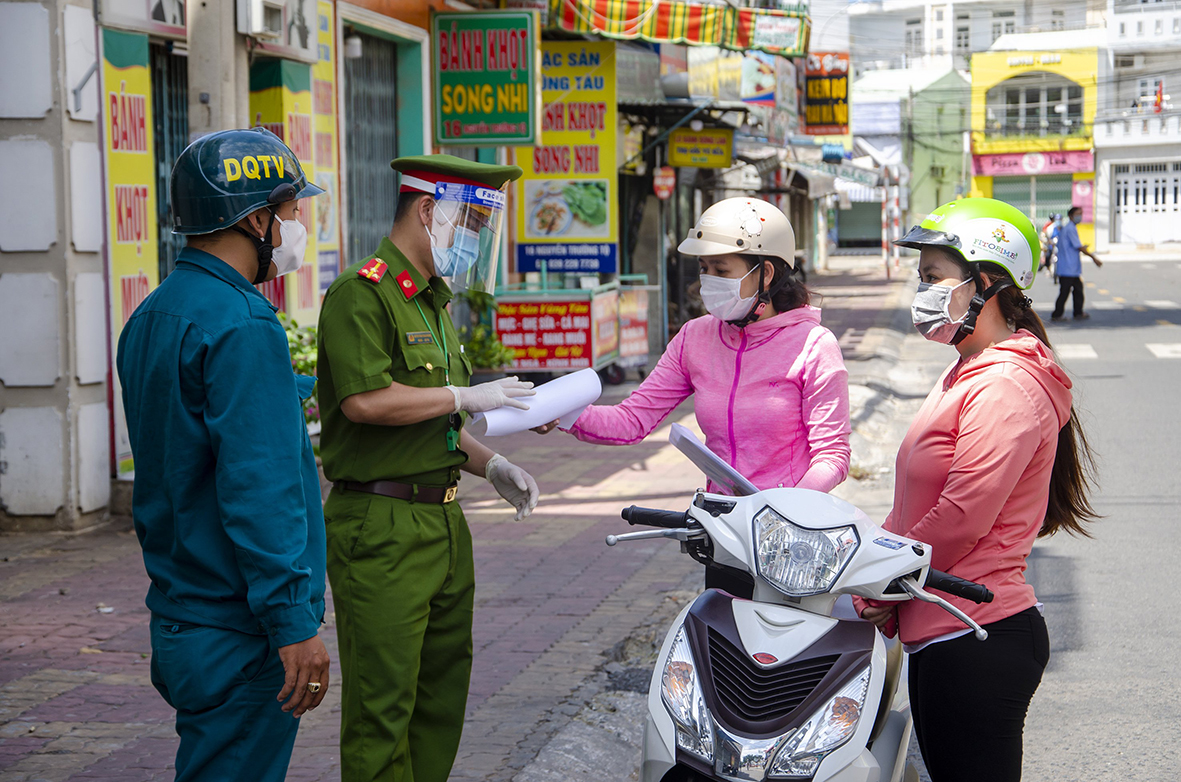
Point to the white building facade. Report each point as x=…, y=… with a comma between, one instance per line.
x=1138, y=128
x=942, y=35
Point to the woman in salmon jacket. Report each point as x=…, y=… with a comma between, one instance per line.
x=771, y=390
x=995, y=459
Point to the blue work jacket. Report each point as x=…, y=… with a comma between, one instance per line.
x=227, y=498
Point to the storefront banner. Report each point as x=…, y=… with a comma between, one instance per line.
x=709, y=148
x=567, y=200
x=325, y=150
x=605, y=319
x=1082, y=195
x=485, y=85
x=281, y=101
x=826, y=94
x=159, y=17
x=633, y=328
x=130, y=165
x=554, y=334
x=759, y=78
x=1032, y=163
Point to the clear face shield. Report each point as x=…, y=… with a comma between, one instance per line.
x=465, y=233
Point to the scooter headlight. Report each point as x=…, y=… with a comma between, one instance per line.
x=830, y=727
x=680, y=689
x=799, y=561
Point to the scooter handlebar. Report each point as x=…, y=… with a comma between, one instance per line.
x=960, y=587
x=668, y=519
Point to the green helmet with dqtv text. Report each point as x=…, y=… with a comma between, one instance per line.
x=982, y=230
x=220, y=178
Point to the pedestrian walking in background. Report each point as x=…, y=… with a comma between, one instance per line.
x=1049, y=237
x=227, y=497
x=995, y=458
x=770, y=385
x=1069, y=266
x=393, y=397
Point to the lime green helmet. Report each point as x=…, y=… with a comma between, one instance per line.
x=982, y=230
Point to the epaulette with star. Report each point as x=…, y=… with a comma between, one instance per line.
x=373, y=271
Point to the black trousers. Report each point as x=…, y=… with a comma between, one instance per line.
x=1066, y=286
x=969, y=699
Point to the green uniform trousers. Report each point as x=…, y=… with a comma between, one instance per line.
x=403, y=584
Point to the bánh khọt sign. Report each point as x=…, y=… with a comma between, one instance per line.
x=567, y=201
x=485, y=67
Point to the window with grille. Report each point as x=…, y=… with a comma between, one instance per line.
x=914, y=38
x=170, y=135
x=963, y=39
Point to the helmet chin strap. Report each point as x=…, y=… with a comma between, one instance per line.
x=762, y=300
x=977, y=304
x=264, y=247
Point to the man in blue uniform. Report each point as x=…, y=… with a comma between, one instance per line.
x=1069, y=268
x=227, y=499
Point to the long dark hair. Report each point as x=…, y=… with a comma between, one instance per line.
x=1073, y=475
x=792, y=294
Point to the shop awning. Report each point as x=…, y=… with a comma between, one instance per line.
x=775, y=31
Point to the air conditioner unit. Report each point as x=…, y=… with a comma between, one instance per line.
x=1134, y=61
x=262, y=19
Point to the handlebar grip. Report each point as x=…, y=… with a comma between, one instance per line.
x=960, y=587
x=668, y=519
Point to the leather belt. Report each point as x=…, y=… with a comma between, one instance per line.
x=404, y=491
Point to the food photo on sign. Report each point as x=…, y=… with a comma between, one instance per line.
x=560, y=207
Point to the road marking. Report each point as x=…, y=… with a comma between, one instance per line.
x=1138, y=308
x=1162, y=304
x=1120, y=299
x=1106, y=305
x=1076, y=350
x=1103, y=291
x=1163, y=322
x=1090, y=285
x=1161, y=350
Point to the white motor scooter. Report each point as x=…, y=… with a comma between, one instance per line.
x=776, y=687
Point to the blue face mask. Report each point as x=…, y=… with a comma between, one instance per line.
x=460, y=256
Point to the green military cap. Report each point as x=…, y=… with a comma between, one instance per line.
x=421, y=173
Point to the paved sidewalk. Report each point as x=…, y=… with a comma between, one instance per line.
x=553, y=604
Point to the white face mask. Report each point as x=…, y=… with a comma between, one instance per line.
x=722, y=296
x=288, y=256
x=930, y=311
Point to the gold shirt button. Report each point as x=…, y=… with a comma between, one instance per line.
x=429, y=367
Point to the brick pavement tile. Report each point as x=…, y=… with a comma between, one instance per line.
x=103, y=703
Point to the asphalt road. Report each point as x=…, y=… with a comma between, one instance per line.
x=1110, y=703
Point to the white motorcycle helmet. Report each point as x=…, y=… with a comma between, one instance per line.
x=745, y=226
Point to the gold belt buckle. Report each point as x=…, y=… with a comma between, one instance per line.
x=451, y=492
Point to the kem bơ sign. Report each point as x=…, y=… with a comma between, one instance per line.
x=485, y=84
x=826, y=86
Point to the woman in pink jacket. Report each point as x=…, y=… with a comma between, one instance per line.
x=771, y=389
x=994, y=459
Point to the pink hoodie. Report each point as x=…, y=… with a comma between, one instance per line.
x=772, y=399
x=973, y=478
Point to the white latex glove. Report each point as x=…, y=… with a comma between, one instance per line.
x=512, y=483
x=489, y=396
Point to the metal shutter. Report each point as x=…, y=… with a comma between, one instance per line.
x=371, y=142
x=170, y=129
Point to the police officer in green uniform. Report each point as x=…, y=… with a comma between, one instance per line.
x=394, y=392
x=227, y=499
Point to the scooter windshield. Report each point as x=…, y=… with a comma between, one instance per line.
x=723, y=475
